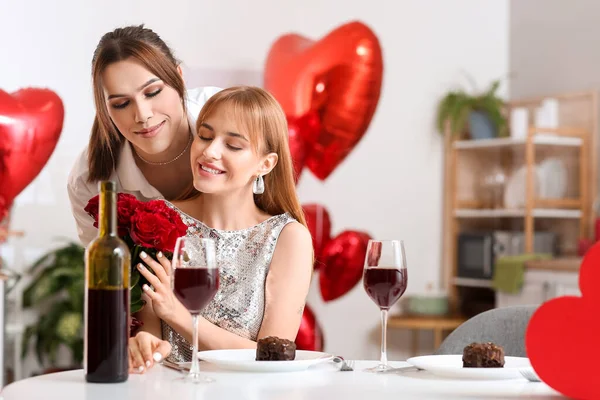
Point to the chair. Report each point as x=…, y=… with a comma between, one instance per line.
x=503, y=326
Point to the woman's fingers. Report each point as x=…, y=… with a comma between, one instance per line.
x=145, y=342
x=164, y=261
x=137, y=361
x=161, y=351
x=150, y=277
x=158, y=268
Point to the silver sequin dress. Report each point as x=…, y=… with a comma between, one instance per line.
x=243, y=257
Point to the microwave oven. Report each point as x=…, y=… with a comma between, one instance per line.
x=477, y=251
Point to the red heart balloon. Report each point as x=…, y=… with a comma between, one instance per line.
x=319, y=225
x=343, y=261
x=31, y=121
x=298, y=149
x=338, y=76
x=562, y=333
x=310, y=335
x=302, y=133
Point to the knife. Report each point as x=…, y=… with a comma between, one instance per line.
x=406, y=368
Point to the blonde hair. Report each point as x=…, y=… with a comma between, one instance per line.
x=264, y=120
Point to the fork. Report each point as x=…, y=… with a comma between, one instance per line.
x=530, y=375
x=349, y=365
x=346, y=365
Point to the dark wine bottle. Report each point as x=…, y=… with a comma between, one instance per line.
x=107, y=263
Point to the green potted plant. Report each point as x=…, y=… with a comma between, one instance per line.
x=57, y=292
x=481, y=115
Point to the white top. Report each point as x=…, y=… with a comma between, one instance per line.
x=319, y=382
x=127, y=175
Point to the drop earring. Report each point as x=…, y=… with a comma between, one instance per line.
x=259, y=185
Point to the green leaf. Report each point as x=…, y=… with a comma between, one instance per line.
x=135, y=278
x=49, y=283
x=41, y=289
x=61, y=268
x=136, y=302
x=69, y=327
x=72, y=251
x=136, y=293
x=48, y=340
x=461, y=121
x=41, y=261
x=493, y=88
x=30, y=331
x=444, y=109
x=51, y=348
x=40, y=344
x=77, y=351
x=77, y=295
x=48, y=321
x=137, y=306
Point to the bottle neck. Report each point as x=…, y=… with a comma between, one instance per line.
x=107, y=217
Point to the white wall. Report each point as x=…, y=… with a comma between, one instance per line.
x=390, y=185
x=553, y=51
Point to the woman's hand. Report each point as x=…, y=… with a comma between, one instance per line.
x=144, y=350
x=164, y=302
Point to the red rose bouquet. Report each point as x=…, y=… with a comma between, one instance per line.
x=151, y=227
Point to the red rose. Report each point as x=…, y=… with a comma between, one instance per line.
x=160, y=207
x=92, y=208
x=156, y=225
x=126, y=206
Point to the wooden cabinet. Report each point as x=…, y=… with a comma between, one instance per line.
x=501, y=184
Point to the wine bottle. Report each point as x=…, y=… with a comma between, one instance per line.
x=107, y=263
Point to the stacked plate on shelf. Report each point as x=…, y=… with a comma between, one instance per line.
x=550, y=183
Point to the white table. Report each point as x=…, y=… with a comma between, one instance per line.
x=319, y=382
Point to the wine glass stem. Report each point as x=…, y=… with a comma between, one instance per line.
x=384, y=315
x=195, y=368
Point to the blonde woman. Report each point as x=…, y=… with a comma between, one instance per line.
x=242, y=168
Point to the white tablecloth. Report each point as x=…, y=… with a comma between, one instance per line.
x=320, y=382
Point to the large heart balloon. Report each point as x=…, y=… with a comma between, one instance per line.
x=31, y=121
x=339, y=77
x=562, y=334
x=310, y=335
x=343, y=260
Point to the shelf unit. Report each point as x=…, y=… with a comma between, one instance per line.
x=517, y=213
x=575, y=140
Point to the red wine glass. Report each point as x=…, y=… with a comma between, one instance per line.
x=385, y=281
x=195, y=282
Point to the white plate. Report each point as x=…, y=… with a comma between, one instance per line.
x=244, y=360
x=451, y=366
x=516, y=186
x=554, y=175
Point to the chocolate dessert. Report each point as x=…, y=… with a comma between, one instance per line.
x=273, y=348
x=483, y=355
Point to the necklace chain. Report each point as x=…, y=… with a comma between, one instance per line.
x=167, y=162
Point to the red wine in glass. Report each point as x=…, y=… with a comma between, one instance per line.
x=195, y=287
x=195, y=283
x=385, y=280
x=385, y=285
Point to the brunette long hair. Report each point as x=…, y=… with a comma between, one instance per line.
x=146, y=47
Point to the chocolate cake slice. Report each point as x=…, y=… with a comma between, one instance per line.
x=483, y=355
x=272, y=348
